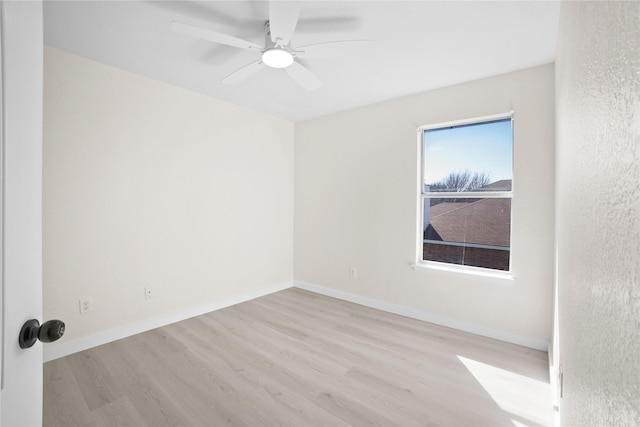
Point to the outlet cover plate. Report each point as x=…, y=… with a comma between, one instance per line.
x=86, y=305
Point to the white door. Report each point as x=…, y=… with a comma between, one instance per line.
x=21, y=47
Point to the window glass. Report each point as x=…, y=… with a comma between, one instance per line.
x=473, y=226
x=479, y=149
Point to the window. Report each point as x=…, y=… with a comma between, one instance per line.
x=466, y=193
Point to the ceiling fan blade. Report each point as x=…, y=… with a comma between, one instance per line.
x=283, y=17
x=244, y=73
x=214, y=36
x=333, y=49
x=303, y=76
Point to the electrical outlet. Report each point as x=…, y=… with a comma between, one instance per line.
x=353, y=272
x=147, y=292
x=86, y=305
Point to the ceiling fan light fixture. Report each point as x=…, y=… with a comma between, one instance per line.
x=277, y=58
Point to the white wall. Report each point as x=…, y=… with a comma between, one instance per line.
x=598, y=212
x=146, y=184
x=356, y=204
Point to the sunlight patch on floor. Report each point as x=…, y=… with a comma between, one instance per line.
x=527, y=399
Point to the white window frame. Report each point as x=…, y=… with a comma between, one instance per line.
x=421, y=264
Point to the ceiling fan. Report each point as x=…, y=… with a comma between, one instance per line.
x=277, y=51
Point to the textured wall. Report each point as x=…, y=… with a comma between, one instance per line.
x=598, y=212
x=356, y=175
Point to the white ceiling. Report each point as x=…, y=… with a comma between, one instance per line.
x=417, y=46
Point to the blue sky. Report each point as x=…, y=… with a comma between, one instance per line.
x=483, y=147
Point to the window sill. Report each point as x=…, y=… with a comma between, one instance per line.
x=505, y=277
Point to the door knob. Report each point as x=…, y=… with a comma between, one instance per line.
x=32, y=331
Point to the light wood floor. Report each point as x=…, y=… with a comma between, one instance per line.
x=296, y=358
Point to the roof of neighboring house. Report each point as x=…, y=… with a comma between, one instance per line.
x=484, y=221
x=502, y=185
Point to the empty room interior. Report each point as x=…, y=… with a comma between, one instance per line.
x=341, y=213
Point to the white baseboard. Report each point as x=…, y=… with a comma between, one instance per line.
x=52, y=352
x=426, y=316
x=65, y=348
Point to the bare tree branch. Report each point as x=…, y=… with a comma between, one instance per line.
x=461, y=181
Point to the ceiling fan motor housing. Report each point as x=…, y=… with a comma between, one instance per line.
x=275, y=54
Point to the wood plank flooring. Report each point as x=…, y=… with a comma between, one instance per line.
x=295, y=358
